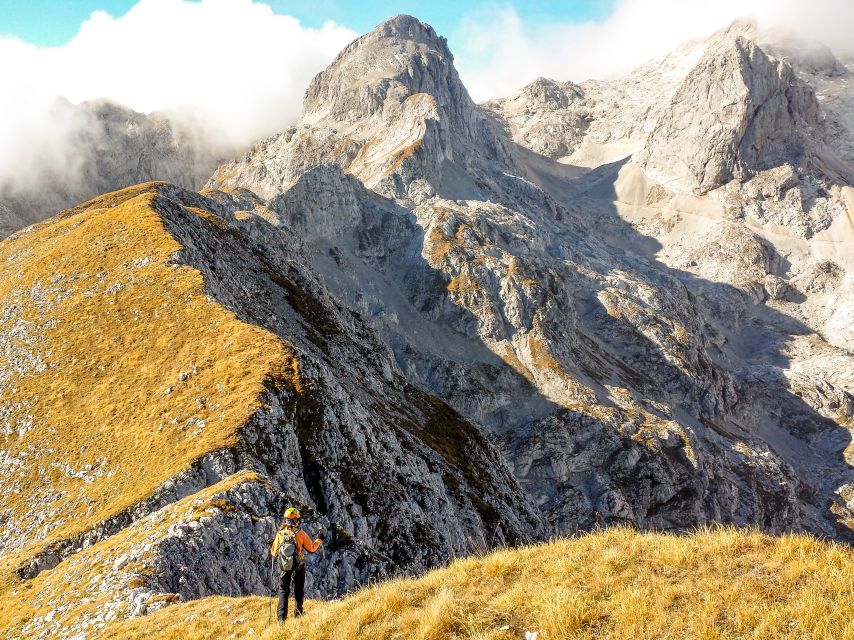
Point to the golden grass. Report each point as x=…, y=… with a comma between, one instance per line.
x=463, y=283
x=719, y=583
x=541, y=358
x=76, y=587
x=617, y=584
x=214, y=617
x=438, y=245
x=143, y=373
x=399, y=155
x=515, y=271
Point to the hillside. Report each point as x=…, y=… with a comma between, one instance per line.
x=433, y=331
x=716, y=583
x=156, y=419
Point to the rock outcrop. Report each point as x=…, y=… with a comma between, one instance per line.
x=548, y=117
x=391, y=111
x=594, y=122
x=737, y=112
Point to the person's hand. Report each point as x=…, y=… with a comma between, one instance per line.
x=320, y=534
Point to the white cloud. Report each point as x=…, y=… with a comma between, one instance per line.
x=497, y=52
x=236, y=61
x=237, y=64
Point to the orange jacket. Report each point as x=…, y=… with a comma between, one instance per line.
x=304, y=543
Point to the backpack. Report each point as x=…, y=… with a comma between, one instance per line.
x=288, y=552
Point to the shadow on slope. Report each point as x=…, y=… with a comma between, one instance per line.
x=742, y=340
x=349, y=435
x=605, y=463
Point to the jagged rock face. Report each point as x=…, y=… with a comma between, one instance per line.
x=9, y=221
x=367, y=434
x=390, y=110
x=374, y=76
x=737, y=112
x=113, y=147
x=595, y=122
x=548, y=117
x=797, y=204
x=532, y=307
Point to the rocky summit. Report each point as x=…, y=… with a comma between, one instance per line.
x=438, y=327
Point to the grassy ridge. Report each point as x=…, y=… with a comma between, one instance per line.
x=617, y=584
x=118, y=372
x=131, y=360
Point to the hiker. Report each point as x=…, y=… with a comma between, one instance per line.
x=290, y=545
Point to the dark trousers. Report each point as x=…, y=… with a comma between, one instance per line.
x=298, y=577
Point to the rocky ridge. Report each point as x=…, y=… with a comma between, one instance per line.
x=365, y=446
x=738, y=111
x=594, y=122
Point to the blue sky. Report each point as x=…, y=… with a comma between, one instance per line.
x=55, y=22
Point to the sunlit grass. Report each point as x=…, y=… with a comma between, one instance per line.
x=143, y=373
x=618, y=584
x=718, y=583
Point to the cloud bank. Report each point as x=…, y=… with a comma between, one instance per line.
x=497, y=52
x=233, y=63
x=238, y=70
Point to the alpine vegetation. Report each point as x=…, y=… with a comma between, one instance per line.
x=411, y=328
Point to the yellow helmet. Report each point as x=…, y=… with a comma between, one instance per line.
x=292, y=513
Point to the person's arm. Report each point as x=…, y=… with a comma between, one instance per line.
x=277, y=542
x=307, y=543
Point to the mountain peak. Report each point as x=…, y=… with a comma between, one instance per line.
x=392, y=99
x=399, y=58
x=743, y=27
x=751, y=108
x=406, y=27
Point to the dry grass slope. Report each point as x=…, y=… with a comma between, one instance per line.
x=718, y=583
x=81, y=586
x=616, y=584
x=216, y=617
x=111, y=355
